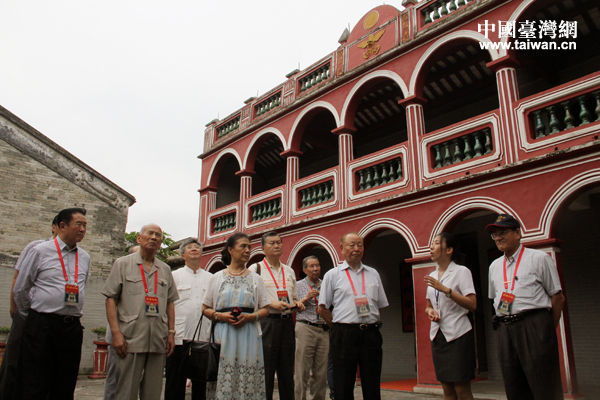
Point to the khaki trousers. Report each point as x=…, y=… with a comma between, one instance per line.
x=312, y=349
x=141, y=372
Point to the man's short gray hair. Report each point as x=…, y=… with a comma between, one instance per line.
x=305, y=261
x=186, y=242
x=147, y=226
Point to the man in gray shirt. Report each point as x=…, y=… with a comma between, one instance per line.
x=50, y=290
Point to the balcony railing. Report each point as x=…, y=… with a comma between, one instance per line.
x=441, y=8
x=314, y=78
x=316, y=194
x=567, y=114
x=269, y=104
x=379, y=174
x=229, y=127
x=266, y=209
x=224, y=222
x=463, y=148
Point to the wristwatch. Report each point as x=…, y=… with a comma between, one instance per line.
x=449, y=293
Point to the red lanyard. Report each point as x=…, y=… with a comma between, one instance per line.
x=62, y=263
x=351, y=283
x=317, y=303
x=144, y=279
x=273, y=276
x=516, y=269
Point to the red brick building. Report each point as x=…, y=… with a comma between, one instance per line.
x=412, y=127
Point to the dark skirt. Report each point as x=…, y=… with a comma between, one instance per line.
x=454, y=361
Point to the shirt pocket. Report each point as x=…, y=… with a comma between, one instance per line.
x=525, y=285
x=128, y=325
x=134, y=285
x=185, y=292
x=373, y=292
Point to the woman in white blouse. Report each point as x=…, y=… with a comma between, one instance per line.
x=450, y=297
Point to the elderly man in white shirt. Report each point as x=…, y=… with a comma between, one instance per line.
x=192, y=283
x=356, y=293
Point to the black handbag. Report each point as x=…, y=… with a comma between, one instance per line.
x=201, y=359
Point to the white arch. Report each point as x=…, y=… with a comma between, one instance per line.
x=315, y=239
x=516, y=14
x=487, y=203
x=222, y=154
x=451, y=36
x=215, y=259
x=558, y=198
x=375, y=74
x=395, y=225
x=258, y=135
x=316, y=104
x=256, y=250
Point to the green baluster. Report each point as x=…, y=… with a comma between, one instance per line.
x=597, y=110
x=438, y=156
x=278, y=100
x=452, y=6
x=584, y=114
x=436, y=13
x=392, y=174
x=308, y=198
x=540, y=128
x=376, y=179
x=216, y=226
x=554, y=124
x=458, y=154
x=302, y=198
x=319, y=76
x=253, y=213
x=303, y=85
x=331, y=194
x=260, y=213
x=468, y=149
x=478, y=147
x=569, y=119
x=369, y=181
x=444, y=8
x=384, y=174
x=278, y=206
x=361, y=182
x=447, y=156
x=427, y=12
x=314, y=196
x=320, y=194
x=488, y=140
x=399, y=170
x=269, y=212
x=325, y=191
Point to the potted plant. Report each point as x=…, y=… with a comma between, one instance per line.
x=4, y=331
x=100, y=331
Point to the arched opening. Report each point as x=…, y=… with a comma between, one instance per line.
x=386, y=251
x=228, y=184
x=269, y=166
x=577, y=226
x=480, y=250
x=540, y=70
x=378, y=119
x=318, y=145
x=457, y=84
x=216, y=267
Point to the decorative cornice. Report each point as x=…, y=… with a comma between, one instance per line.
x=34, y=144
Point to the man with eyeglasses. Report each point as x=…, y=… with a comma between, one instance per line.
x=528, y=302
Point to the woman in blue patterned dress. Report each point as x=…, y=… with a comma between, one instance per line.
x=231, y=291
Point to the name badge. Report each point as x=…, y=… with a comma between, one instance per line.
x=506, y=302
x=71, y=295
x=151, y=306
x=362, y=306
x=320, y=319
x=282, y=295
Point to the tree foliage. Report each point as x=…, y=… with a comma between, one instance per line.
x=162, y=254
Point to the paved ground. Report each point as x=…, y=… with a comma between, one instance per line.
x=93, y=389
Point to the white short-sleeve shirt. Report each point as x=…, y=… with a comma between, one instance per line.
x=192, y=288
x=454, y=321
x=336, y=290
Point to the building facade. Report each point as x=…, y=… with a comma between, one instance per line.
x=426, y=120
x=38, y=179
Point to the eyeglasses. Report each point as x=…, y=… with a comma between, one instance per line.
x=498, y=234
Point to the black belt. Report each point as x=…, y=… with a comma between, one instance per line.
x=67, y=319
x=280, y=316
x=509, y=319
x=362, y=327
x=244, y=309
x=323, y=326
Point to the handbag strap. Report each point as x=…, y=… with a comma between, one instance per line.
x=198, y=328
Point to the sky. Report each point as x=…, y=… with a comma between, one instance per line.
x=128, y=86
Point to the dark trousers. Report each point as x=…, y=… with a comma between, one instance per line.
x=10, y=361
x=279, y=346
x=528, y=354
x=50, y=357
x=175, y=385
x=350, y=347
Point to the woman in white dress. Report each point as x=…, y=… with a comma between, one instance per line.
x=450, y=297
x=231, y=291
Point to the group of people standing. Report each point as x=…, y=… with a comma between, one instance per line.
x=151, y=310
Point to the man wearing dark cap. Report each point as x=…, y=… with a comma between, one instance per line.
x=528, y=301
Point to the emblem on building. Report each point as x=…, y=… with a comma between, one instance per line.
x=369, y=44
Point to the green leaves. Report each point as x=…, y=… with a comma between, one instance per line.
x=162, y=254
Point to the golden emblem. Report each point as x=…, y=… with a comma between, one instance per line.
x=369, y=44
